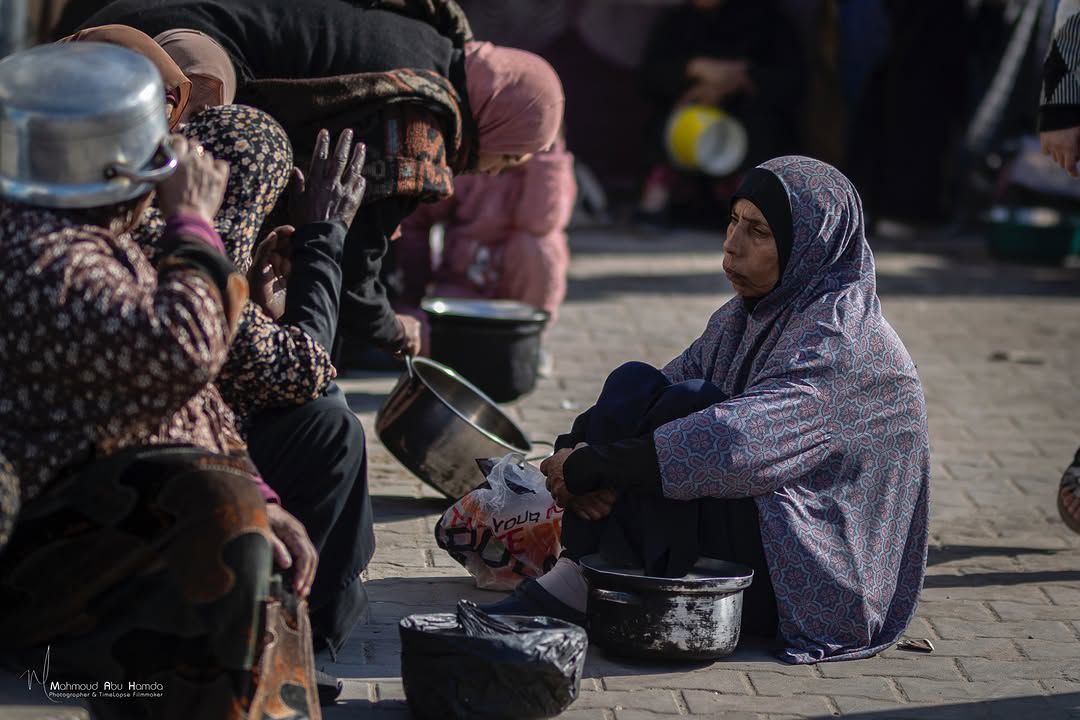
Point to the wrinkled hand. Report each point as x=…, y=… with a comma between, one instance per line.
x=1063, y=146
x=414, y=340
x=334, y=186
x=713, y=80
x=293, y=548
x=552, y=468
x=594, y=505
x=269, y=274
x=197, y=185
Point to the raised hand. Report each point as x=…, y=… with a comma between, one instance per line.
x=334, y=186
x=198, y=184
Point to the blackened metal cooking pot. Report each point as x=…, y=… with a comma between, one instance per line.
x=437, y=424
x=495, y=344
x=695, y=617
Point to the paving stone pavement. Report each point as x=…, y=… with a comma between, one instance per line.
x=997, y=347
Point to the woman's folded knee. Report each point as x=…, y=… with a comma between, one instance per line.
x=635, y=373
x=211, y=504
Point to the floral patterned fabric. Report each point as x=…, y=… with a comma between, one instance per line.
x=96, y=348
x=9, y=501
x=269, y=365
x=825, y=427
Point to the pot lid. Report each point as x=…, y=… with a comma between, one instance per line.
x=495, y=310
x=707, y=575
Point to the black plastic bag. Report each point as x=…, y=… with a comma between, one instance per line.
x=475, y=665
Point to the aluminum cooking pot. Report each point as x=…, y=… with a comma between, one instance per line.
x=437, y=424
x=81, y=125
x=695, y=617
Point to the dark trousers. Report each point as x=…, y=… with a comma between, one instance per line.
x=313, y=455
x=664, y=536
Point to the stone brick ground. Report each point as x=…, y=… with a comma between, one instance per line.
x=997, y=347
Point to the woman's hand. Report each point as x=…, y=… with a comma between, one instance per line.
x=269, y=274
x=552, y=468
x=713, y=80
x=334, y=186
x=594, y=505
x=293, y=548
x=1063, y=146
x=413, y=336
x=197, y=186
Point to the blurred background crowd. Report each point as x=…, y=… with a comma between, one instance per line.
x=928, y=106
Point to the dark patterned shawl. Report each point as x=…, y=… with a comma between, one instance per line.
x=417, y=127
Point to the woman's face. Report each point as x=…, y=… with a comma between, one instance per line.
x=751, y=261
x=494, y=163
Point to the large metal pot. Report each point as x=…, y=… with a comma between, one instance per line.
x=695, y=617
x=437, y=424
x=81, y=125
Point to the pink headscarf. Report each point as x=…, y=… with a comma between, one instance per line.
x=204, y=61
x=516, y=99
x=177, y=85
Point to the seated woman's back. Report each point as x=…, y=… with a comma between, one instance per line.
x=282, y=39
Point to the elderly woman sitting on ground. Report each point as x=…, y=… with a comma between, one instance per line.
x=790, y=437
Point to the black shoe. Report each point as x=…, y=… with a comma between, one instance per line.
x=328, y=687
x=530, y=598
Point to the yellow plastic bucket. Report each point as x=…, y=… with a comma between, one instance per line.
x=705, y=139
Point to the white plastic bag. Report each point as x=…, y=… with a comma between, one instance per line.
x=505, y=530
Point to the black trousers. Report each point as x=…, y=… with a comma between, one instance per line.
x=314, y=456
x=664, y=536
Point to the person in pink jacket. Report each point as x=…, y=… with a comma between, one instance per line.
x=505, y=236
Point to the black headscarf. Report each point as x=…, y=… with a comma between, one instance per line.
x=765, y=190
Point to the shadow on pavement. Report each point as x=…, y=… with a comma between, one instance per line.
x=956, y=280
x=600, y=287
x=975, y=278
x=947, y=267
x=948, y=553
x=399, y=507
x=1001, y=578
x=1057, y=707
x=376, y=710
x=629, y=242
x=364, y=402
x=1054, y=707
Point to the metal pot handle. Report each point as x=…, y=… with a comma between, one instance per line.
x=147, y=176
x=409, y=366
x=622, y=598
x=540, y=457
